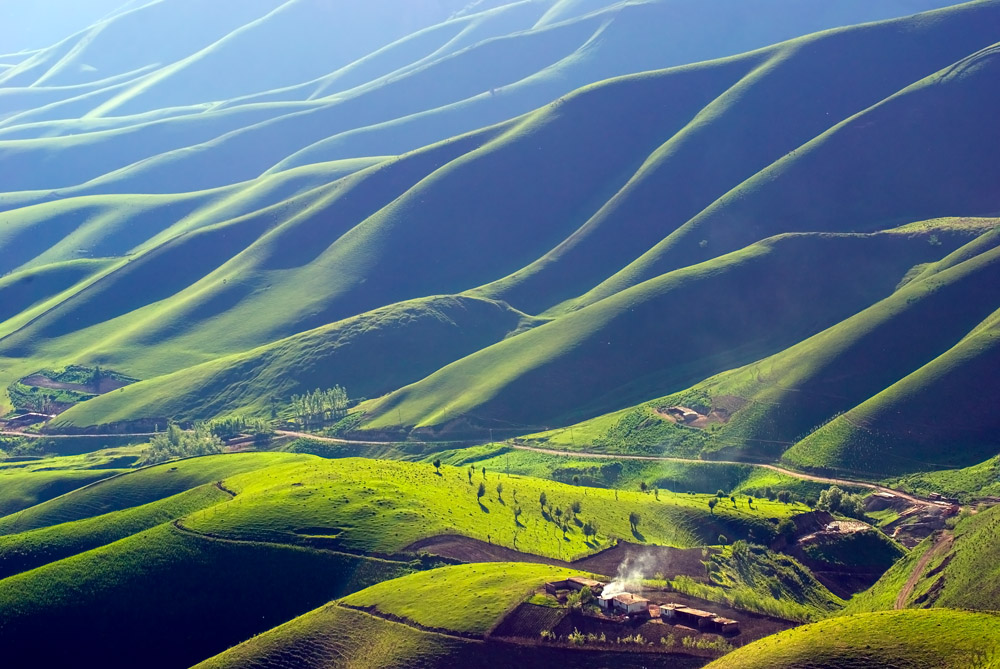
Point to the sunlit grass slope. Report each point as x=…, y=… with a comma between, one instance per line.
x=24, y=484
x=169, y=598
x=34, y=548
x=907, y=639
x=773, y=403
x=961, y=573
x=406, y=341
x=859, y=161
x=469, y=598
x=337, y=636
x=139, y=487
x=384, y=506
x=789, y=98
x=662, y=335
x=894, y=432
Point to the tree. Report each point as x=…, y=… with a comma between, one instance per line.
x=786, y=528
x=576, y=480
x=769, y=493
x=642, y=486
x=720, y=493
x=500, y=491
x=588, y=529
x=750, y=501
x=558, y=512
x=633, y=519
x=723, y=540
x=732, y=498
x=484, y=473
x=542, y=500
x=576, y=506
x=470, y=473
x=656, y=493
x=437, y=466
x=711, y=505
x=481, y=491
x=784, y=497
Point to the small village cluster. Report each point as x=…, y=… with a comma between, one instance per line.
x=620, y=605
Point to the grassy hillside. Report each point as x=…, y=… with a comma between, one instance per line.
x=408, y=340
x=753, y=578
x=956, y=570
x=967, y=484
x=629, y=351
x=169, y=598
x=766, y=407
x=140, y=487
x=336, y=635
x=859, y=160
x=911, y=639
x=25, y=483
x=34, y=548
x=384, y=506
x=468, y=599
x=893, y=425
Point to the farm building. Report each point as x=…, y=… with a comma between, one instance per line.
x=580, y=582
x=574, y=583
x=624, y=602
x=684, y=414
x=698, y=619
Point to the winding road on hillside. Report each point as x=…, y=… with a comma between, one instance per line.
x=942, y=543
x=551, y=451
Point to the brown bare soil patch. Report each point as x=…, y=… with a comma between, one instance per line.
x=671, y=562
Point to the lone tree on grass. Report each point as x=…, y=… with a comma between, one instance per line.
x=542, y=500
x=784, y=497
x=576, y=506
x=643, y=487
x=711, y=505
x=437, y=466
x=500, y=491
x=481, y=491
x=633, y=520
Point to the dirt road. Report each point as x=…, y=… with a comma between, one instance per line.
x=549, y=451
x=942, y=543
x=774, y=468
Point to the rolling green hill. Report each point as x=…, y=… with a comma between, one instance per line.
x=154, y=588
x=381, y=507
x=409, y=339
x=283, y=260
x=910, y=639
x=625, y=346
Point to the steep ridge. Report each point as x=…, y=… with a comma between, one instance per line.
x=933, y=337
x=617, y=351
x=911, y=157
x=788, y=394
x=897, y=431
x=782, y=104
x=405, y=341
x=342, y=268
x=454, y=64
